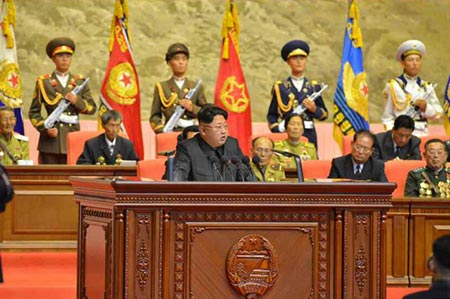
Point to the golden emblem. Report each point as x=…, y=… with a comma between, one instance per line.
x=10, y=84
x=122, y=84
x=252, y=265
x=356, y=91
x=233, y=95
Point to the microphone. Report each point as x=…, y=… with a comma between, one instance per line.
x=298, y=162
x=236, y=161
x=215, y=161
x=256, y=160
x=226, y=161
x=246, y=162
x=170, y=161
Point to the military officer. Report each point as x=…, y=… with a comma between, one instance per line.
x=294, y=91
x=13, y=146
x=49, y=91
x=408, y=93
x=433, y=179
x=265, y=165
x=171, y=93
x=293, y=144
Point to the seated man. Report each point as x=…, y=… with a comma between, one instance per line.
x=359, y=164
x=294, y=130
x=264, y=164
x=398, y=143
x=439, y=265
x=108, y=148
x=13, y=146
x=211, y=155
x=433, y=179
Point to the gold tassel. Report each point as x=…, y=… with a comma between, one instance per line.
x=230, y=25
x=9, y=19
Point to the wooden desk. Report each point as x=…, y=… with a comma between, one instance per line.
x=177, y=240
x=43, y=213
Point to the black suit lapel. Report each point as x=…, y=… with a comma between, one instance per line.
x=348, y=168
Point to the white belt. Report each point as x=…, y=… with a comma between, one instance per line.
x=183, y=123
x=308, y=124
x=68, y=119
x=420, y=125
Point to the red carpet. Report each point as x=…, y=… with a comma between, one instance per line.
x=45, y=275
x=39, y=275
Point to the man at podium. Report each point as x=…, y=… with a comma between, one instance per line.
x=211, y=155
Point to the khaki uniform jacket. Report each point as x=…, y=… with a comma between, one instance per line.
x=18, y=146
x=48, y=93
x=166, y=98
x=417, y=184
x=273, y=172
x=306, y=151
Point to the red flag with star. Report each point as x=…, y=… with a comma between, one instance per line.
x=120, y=88
x=231, y=90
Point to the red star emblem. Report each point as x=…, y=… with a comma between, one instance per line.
x=365, y=89
x=14, y=80
x=126, y=79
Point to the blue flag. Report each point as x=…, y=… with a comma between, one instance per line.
x=447, y=107
x=351, y=99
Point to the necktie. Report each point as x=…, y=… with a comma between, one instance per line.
x=358, y=169
x=397, y=151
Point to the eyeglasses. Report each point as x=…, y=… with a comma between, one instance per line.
x=361, y=148
x=218, y=127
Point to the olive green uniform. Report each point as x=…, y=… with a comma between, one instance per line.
x=306, y=151
x=166, y=98
x=273, y=172
x=425, y=182
x=17, y=146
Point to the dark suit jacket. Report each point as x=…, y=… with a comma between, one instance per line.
x=440, y=289
x=6, y=189
x=193, y=162
x=384, y=148
x=342, y=167
x=97, y=146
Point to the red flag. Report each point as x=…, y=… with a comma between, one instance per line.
x=231, y=90
x=120, y=87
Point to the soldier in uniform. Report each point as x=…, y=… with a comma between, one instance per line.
x=294, y=91
x=433, y=179
x=408, y=93
x=293, y=144
x=265, y=165
x=13, y=146
x=171, y=93
x=49, y=91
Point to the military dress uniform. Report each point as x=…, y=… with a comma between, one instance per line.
x=165, y=100
x=286, y=96
x=17, y=148
x=400, y=94
x=426, y=182
x=49, y=92
x=306, y=151
x=273, y=172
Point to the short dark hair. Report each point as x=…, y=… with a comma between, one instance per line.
x=435, y=140
x=259, y=137
x=441, y=251
x=290, y=116
x=365, y=133
x=404, y=121
x=208, y=112
x=111, y=115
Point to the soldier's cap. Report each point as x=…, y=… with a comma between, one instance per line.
x=175, y=49
x=409, y=47
x=294, y=48
x=60, y=45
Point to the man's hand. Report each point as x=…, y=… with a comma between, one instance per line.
x=71, y=97
x=187, y=104
x=310, y=105
x=52, y=132
x=422, y=104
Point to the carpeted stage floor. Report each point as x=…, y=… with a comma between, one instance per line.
x=45, y=275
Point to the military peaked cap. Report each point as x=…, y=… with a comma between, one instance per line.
x=175, y=49
x=410, y=47
x=60, y=45
x=294, y=48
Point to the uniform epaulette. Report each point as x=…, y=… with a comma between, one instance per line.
x=398, y=81
x=79, y=76
x=45, y=76
x=279, y=142
x=420, y=169
x=314, y=82
x=308, y=144
x=20, y=137
x=447, y=170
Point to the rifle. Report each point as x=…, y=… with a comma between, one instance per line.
x=413, y=110
x=179, y=110
x=62, y=106
x=302, y=108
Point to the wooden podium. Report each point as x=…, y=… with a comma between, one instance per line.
x=231, y=240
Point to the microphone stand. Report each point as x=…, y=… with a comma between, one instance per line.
x=170, y=160
x=227, y=163
x=238, y=163
x=298, y=163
